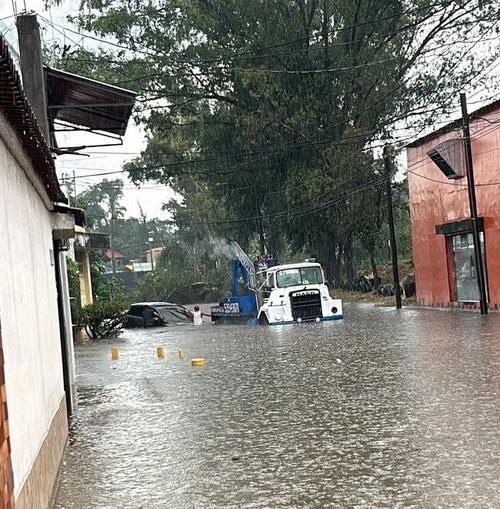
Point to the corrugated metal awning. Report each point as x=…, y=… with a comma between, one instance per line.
x=88, y=103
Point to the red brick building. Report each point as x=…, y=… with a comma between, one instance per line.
x=443, y=251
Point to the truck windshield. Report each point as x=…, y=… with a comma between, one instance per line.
x=299, y=276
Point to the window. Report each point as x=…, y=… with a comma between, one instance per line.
x=299, y=276
x=464, y=267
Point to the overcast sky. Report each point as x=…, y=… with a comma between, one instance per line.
x=150, y=196
x=101, y=160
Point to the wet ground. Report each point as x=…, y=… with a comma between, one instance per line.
x=383, y=409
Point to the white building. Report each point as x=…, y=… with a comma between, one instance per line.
x=36, y=368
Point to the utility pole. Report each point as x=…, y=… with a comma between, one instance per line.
x=392, y=234
x=483, y=300
x=30, y=53
x=262, y=247
x=150, y=239
x=111, y=237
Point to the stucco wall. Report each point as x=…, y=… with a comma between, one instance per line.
x=436, y=200
x=28, y=308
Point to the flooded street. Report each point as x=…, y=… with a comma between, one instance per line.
x=382, y=409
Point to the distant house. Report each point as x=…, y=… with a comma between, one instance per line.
x=109, y=254
x=152, y=255
x=36, y=356
x=445, y=268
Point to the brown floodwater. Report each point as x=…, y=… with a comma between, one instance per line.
x=382, y=409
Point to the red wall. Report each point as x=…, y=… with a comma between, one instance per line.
x=445, y=201
x=6, y=476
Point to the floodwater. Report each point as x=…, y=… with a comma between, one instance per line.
x=383, y=409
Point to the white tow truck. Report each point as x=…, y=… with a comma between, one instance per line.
x=295, y=293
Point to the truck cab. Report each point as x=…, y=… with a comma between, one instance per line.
x=295, y=293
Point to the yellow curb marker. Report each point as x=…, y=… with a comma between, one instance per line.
x=115, y=353
x=160, y=352
x=181, y=355
x=197, y=363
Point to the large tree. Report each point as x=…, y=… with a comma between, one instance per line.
x=267, y=115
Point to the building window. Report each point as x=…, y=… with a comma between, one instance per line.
x=464, y=267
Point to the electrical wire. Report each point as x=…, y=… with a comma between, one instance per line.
x=301, y=210
x=151, y=52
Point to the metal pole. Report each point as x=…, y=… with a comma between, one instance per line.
x=483, y=300
x=112, y=245
x=151, y=255
x=111, y=237
x=392, y=234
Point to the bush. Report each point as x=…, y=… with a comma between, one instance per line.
x=74, y=292
x=104, y=319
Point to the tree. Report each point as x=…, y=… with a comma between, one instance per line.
x=266, y=116
x=102, y=203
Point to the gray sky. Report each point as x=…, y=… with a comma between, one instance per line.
x=150, y=196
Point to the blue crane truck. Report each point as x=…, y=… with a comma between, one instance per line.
x=242, y=305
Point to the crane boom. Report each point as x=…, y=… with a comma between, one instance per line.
x=238, y=254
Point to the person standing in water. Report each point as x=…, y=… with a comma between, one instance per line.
x=197, y=315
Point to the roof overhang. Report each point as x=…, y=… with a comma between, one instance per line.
x=455, y=124
x=85, y=102
x=78, y=214
x=98, y=240
x=459, y=227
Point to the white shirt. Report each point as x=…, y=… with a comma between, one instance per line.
x=197, y=318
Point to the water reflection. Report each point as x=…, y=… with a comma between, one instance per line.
x=383, y=409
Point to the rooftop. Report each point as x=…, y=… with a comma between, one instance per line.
x=455, y=124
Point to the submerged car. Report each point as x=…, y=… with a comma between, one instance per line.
x=157, y=314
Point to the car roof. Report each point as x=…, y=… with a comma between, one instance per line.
x=156, y=304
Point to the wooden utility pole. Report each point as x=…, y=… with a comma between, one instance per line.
x=30, y=60
x=392, y=234
x=483, y=300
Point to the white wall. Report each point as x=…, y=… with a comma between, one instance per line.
x=28, y=310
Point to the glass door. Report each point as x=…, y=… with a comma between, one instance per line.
x=464, y=267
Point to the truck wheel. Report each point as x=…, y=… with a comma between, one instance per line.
x=263, y=319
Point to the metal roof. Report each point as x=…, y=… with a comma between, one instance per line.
x=455, y=124
x=17, y=110
x=89, y=103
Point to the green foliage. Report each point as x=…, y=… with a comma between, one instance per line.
x=74, y=292
x=267, y=117
x=103, y=288
x=104, y=318
x=101, y=203
x=186, y=273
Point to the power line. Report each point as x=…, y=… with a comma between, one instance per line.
x=151, y=52
x=301, y=210
x=255, y=153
